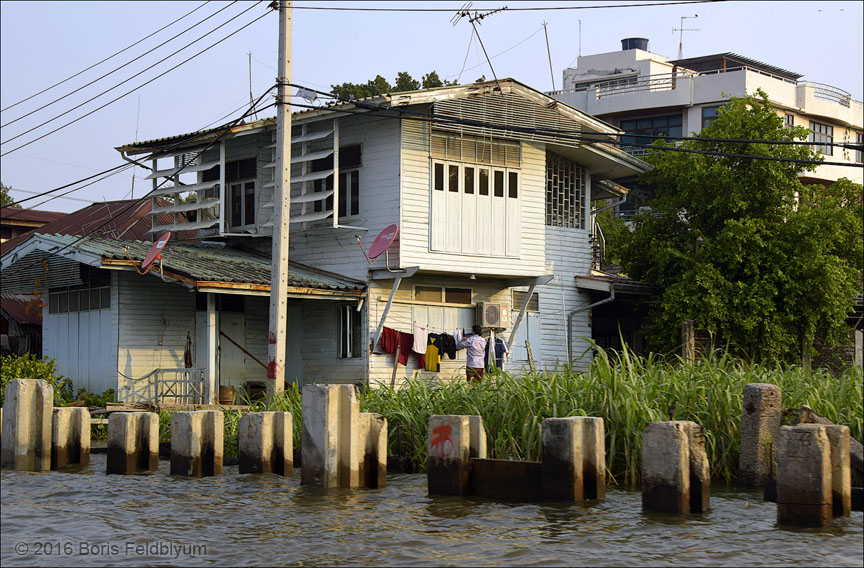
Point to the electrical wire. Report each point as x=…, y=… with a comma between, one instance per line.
x=522, y=9
x=130, y=78
x=104, y=60
x=69, y=94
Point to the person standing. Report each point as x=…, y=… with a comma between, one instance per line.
x=475, y=347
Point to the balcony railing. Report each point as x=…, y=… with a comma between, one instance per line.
x=160, y=386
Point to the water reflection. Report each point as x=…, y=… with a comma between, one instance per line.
x=238, y=519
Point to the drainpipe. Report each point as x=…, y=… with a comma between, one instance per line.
x=582, y=309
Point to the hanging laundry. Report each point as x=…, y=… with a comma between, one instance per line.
x=389, y=340
x=447, y=345
x=420, y=338
x=500, y=351
x=406, y=346
x=433, y=357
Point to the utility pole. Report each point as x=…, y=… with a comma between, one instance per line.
x=681, y=37
x=549, y=53
x=281, y=211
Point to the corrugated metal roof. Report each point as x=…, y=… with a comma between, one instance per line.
x=21, y=215
x=720, y=61
x=22, y=309
x=124, y=219
x=205, y=263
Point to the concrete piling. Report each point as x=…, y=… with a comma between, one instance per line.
x=477, y=444
x=804, y=476
x=340, y=446
x=841, y=472
x=563, y=470
x=70, y=437
x=593, y=458
x=265, y=442
x=197, y=443
x=27, y=415
x=372, y=450
x=760, y=426
x=448, y=462
x=675, y=470
x=133, y=442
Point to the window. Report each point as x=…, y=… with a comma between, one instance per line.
x=440, y=294
x=349, y=181
x=491, y=151
x=349, y=346
x=859, y=140
x=824, y=134
x=93, y=294
x=565, y=203
x=667, y=126
x=789, y=120
x=475, y=209
x=519, y=301
x=709, y=114
x=240, y=178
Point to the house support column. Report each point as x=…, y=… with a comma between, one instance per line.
x=212, y=361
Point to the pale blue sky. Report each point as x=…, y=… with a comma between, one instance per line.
x=45, y=42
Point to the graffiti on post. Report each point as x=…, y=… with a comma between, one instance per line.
x=442, y=443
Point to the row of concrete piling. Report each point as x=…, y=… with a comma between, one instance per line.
x=342, y=447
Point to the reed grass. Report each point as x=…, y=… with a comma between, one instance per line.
x=627, y=391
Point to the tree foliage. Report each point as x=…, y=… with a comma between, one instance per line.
x=741, y=246
x=380, y=86
x=5, y=198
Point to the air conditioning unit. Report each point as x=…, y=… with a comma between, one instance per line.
x=490, y=314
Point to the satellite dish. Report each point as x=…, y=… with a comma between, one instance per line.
x=380, y=245
x=154, y=254
x=156, y=250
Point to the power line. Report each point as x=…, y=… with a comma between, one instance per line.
x=104, y=60
x=69, y=94
x=134, y=76
x=432, y=118
x=522, y=9
x=138, y=87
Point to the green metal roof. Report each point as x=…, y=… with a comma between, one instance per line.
x=198, y=262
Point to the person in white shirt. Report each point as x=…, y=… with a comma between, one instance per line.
x=476, y=353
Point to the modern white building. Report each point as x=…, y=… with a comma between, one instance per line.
x=646, y=93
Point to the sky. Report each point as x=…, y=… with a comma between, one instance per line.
x=44, y=43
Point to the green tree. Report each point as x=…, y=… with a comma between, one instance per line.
x=741, y=246
x=5, y=198
x=380, y=86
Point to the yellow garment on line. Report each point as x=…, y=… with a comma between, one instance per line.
x=433, y=357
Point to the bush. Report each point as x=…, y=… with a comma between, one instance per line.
x=29, y=367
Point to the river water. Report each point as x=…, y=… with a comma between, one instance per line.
x=83, y=517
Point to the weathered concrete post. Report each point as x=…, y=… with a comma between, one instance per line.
x=700, y=469
x=197, y=443
x=804, y=476
x=325, y=409
x=593, y=458
x=688, y=341
x=133, y=442
x=70, y=437
x=760, y=425
x=448, y=465
x=371, y=450
x=563, y=468
x=477, y=444
x=26, y=436
x=350, y=443
x=666, y=467
x=265, y=442
x=841, y=472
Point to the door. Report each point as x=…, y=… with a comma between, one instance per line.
x=232, y=361
x=293, y=343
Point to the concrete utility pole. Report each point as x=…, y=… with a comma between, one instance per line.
x=281, y=211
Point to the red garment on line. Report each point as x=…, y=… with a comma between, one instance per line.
x=389, y=340
x=406, y=345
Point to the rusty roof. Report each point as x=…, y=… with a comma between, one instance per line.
x=29, y=216
x=22, y=309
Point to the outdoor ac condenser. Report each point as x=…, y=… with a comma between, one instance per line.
x=491, y=314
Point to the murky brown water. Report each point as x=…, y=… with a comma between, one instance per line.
x=87, y=518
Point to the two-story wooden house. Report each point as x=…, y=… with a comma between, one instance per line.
x=491, y=186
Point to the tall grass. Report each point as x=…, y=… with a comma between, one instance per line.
x=627, y=391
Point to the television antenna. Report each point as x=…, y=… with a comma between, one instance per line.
x=380, y=245
x=474, y=17
x=682, y=29
x=154, y=254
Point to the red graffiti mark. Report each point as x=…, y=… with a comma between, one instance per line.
x=272, y=338
x=441, y=442
x=272, y=367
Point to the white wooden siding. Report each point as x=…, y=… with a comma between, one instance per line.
x=84, y=345
x=154, y=319
x=319, y=345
